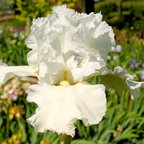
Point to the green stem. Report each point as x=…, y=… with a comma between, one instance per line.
x=65, y=139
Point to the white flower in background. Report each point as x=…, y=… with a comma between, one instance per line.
x=66, y=49
x=118, y=48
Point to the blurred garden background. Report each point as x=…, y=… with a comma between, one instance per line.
x=124, y=119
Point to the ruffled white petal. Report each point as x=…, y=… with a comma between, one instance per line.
x=91, y=101
x=51, y=73
x=134, y=87
x=121, y=80
x=6, y=72
x=86, y=68
x=104, y=39
x=31, y=42
x=60, y=106
x=54, y=38
x=32, y=58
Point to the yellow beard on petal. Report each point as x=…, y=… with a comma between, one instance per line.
x=66, y=78
x=64, y=83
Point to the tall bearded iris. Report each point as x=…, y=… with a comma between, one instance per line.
x=66, y=49
x=69, y=41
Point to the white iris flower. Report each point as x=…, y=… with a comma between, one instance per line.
x=66, y=49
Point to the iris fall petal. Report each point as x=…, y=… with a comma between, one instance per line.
x=6, y=72
x=121, y=80
x=60, y=106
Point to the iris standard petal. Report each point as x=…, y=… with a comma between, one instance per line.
x=65, y=31
x=32, y=58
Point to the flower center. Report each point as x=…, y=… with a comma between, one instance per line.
x=64, y=83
